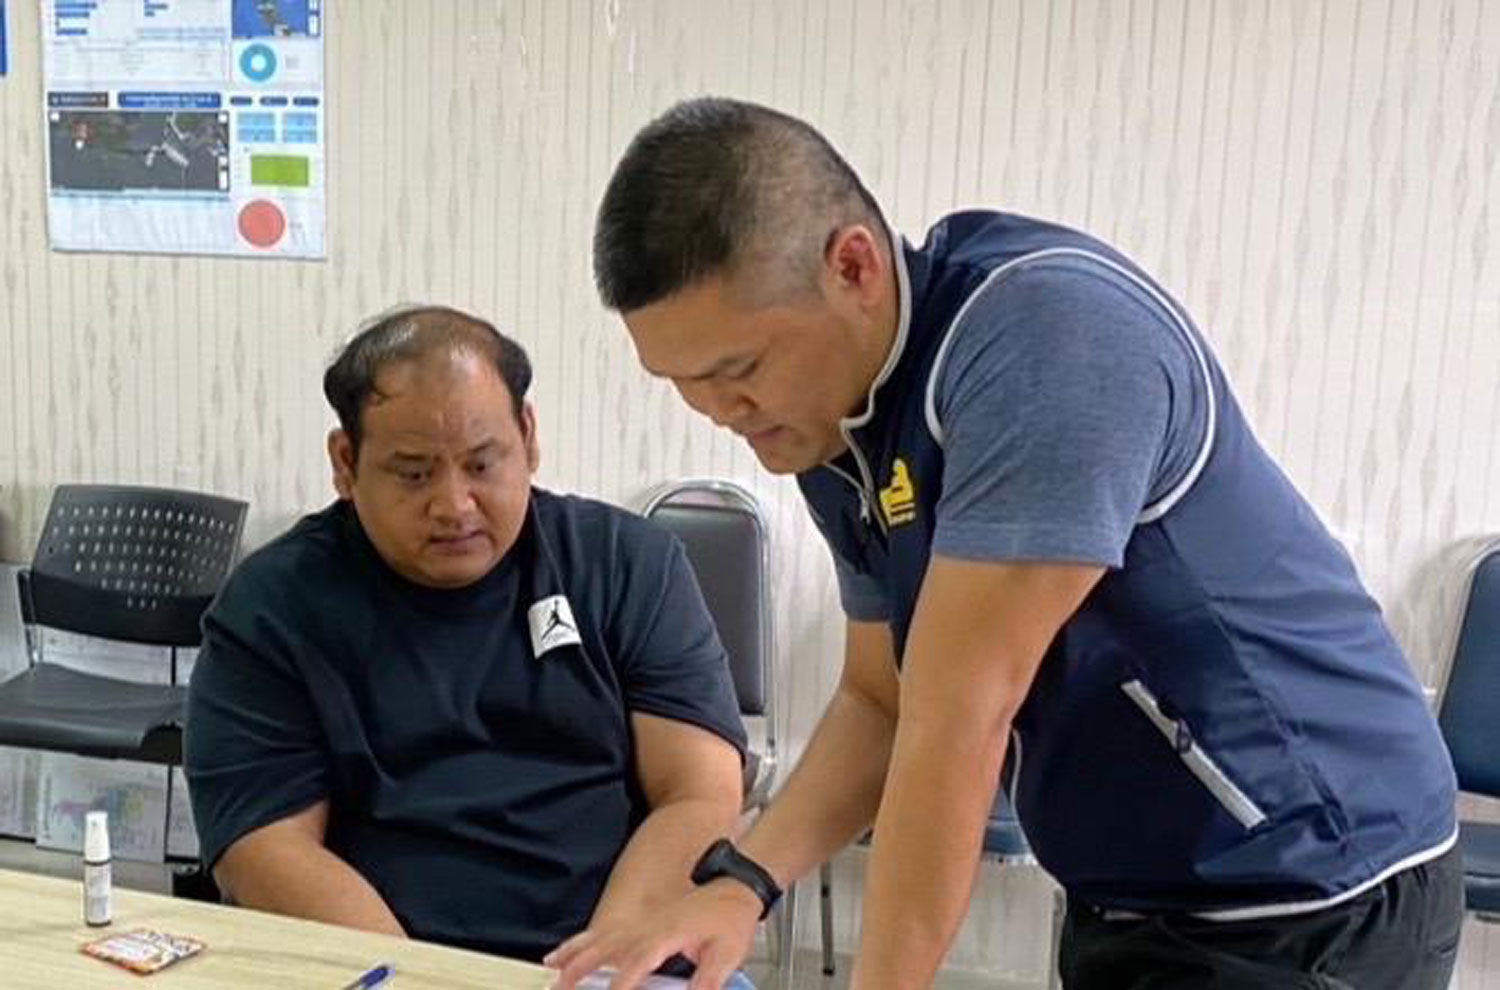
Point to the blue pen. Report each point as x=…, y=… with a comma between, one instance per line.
x=373, y=978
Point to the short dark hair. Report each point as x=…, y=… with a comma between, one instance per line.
x=411, y=333
x=713, y=184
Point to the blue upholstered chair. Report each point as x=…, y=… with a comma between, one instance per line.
x=1470, y=720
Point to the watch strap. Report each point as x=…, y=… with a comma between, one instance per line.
x=722, y=859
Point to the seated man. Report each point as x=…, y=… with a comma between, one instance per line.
x=451, y=705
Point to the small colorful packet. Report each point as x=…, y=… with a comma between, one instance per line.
x=142, y=951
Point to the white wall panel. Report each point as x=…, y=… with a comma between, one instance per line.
x=1316, y=179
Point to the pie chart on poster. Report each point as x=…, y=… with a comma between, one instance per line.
x=258, y=63
x=262, y=223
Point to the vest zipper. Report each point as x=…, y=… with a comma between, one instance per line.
x=865, y=486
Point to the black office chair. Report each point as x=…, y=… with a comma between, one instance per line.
x=1470, y=720
x=123, y=563
x=724, y=532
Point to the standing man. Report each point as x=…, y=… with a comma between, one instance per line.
x=1057, y=542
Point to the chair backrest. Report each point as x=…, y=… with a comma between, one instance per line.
x=722, y=529
x=1470, y=715
x=128, y=563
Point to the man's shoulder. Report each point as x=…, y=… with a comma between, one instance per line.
x=596, y=529
x=987, y=239
x=1033, y=291
x=309, y=553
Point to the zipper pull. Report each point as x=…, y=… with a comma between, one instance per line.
x=1183, y=739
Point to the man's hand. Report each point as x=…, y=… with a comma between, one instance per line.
x=830, y=798
x=713, y=926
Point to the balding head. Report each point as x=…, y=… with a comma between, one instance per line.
x=417, y=334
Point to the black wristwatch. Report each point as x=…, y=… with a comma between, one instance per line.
x=722, y=859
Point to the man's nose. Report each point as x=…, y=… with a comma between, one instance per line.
x=452, y=497
x=723, y=402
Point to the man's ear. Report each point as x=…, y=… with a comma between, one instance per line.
x=528, y=436
x=854, y=261
x=341, y=458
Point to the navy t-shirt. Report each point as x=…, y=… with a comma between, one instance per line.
x=483, y=790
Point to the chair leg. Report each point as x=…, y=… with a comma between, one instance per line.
x=1054, y=960
x=784, y=933
x=825, y=901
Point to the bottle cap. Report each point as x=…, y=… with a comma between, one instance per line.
x=96, y=836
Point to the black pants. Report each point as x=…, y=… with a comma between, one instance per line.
x=1401, y=935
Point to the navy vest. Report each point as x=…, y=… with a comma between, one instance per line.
x=1225, y=726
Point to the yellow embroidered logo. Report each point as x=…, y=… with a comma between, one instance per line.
x=898, y=500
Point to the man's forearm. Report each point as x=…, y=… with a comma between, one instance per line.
x=832, y=794
x=307, y=881
x=654, y=869
x=919, y=878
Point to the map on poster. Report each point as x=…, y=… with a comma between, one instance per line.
x=185, y=126
x=134, y=794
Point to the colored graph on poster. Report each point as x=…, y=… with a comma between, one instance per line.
x=185, y=126
x=134, y=795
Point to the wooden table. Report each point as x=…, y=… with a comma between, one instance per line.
x=41, y=928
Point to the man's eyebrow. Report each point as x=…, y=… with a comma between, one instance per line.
x=719, y=367
x=406, y=457
x=483, y=447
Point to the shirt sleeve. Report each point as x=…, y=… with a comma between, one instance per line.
x=252, y=749
x=672, y=662
x=1068, y=397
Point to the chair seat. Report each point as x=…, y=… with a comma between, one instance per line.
x=1480, y=843
x=1003, y=837
x=53, y=707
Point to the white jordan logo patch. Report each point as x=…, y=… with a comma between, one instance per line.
x=552, y=625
